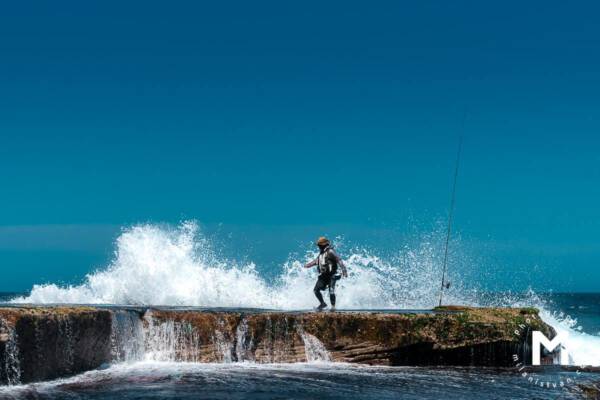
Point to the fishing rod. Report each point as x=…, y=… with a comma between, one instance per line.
x=446, y=285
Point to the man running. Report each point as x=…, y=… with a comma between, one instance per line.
x=328, y=262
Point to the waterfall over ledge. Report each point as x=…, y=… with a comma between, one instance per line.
x=46, y=342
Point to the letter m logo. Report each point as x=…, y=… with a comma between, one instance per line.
x=538, y=339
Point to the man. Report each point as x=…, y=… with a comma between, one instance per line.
x=328, y=262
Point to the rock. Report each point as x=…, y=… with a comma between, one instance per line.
x=464, y=337
x=39, y=343
x=590, y=391
x=55, y=342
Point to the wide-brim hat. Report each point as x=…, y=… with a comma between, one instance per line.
x=322, y=241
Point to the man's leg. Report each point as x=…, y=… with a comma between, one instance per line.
x=320, y=285
x=332, y=291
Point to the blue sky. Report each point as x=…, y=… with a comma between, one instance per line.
x=284, y=119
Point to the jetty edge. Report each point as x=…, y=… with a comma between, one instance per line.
x=40, y=343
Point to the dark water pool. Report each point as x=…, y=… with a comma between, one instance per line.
x=292, y=381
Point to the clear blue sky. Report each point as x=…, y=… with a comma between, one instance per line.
x=113, y=113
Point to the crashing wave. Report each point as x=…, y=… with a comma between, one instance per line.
x=161, y=266
x=157, y=265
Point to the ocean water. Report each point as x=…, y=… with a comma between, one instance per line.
x=152, y=380
x=178, y=266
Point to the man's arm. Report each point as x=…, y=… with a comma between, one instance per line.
x=339, y=262
x=312, y=263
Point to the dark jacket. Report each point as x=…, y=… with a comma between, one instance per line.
x=328, y=262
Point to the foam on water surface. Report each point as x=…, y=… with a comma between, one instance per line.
x=159, y=380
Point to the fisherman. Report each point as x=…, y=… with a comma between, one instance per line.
x=328, y=262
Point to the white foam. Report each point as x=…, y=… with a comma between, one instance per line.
x=584, y=349
x=157, y=265
x=161, y=371
x=161, y=266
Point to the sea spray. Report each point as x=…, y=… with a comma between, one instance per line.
x=177, y=266
x=155, y=265
x=583, y=348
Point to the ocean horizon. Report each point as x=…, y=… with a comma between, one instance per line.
x=299, y=200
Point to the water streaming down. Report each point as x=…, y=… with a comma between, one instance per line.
x=10, y=370
x=127, y=336
x=142, y=337
x=280, y=339
x=177, y=266
x=314, y=349
x=145, y=338
x=243, y=342
x=223, y=346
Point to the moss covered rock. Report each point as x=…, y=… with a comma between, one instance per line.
x=39, y=343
